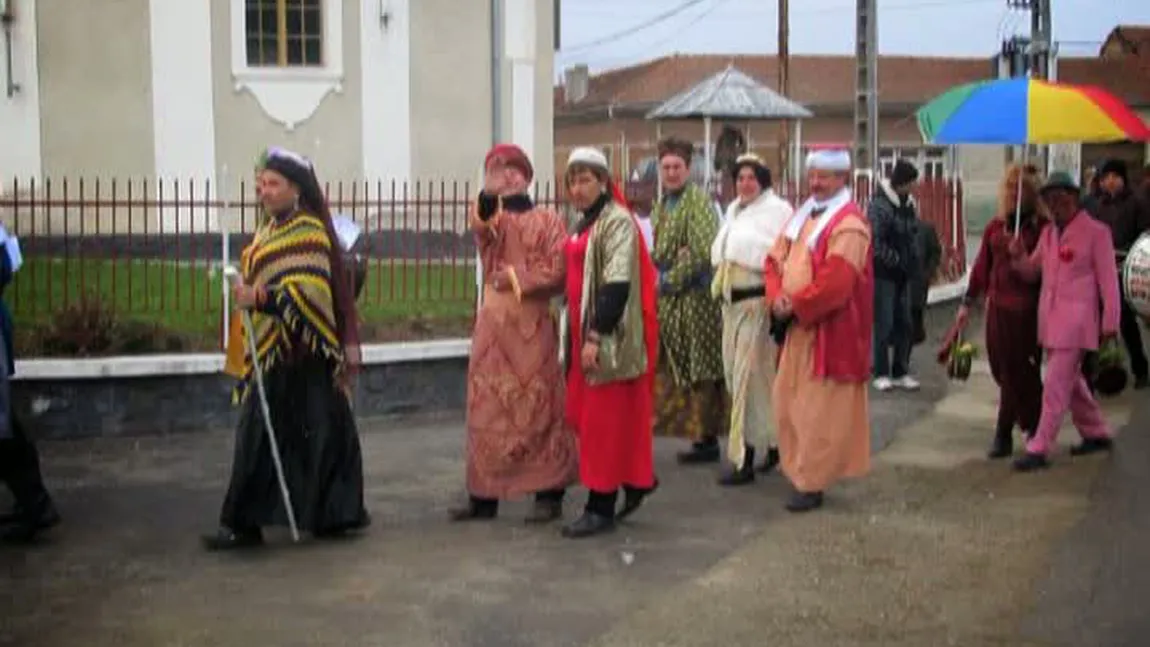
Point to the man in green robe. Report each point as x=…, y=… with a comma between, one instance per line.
x=690, y=395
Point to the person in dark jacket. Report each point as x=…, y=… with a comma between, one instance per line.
x=929, y=258
x=894, y=222
x=34, y=511
x=1127, y=216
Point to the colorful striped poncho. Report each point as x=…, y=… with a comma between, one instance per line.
x=291, y=258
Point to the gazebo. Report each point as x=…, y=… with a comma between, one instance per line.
x=730, y=95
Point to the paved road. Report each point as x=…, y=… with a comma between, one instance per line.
x=936, y=547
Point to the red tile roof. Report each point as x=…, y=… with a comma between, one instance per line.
x=821, y=81
x=1128, y=40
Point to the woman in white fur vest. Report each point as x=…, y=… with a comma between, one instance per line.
x=753, y=221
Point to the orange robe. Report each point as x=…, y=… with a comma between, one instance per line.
x=517, y=442
x=823, y=425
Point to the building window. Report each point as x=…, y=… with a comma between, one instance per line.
x=284, y=33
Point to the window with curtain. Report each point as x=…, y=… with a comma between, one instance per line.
x=284, y=33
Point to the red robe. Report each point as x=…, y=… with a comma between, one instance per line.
x=613, y=420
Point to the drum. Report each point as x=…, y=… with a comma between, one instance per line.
x=1136, y=276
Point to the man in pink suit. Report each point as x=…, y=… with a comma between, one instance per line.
x=1075, y=262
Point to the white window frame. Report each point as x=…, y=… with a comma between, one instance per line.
x=290, y=94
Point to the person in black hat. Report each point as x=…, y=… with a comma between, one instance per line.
x=894, y=221
x=1119, y=208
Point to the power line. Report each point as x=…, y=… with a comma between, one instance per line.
x=635, y=28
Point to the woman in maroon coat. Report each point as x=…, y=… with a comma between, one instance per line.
x=1011, y=310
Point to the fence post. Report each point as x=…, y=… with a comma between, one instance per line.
x=225, y=254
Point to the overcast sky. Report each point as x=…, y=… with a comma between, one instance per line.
x=923, y=27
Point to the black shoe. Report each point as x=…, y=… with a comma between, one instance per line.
x=1002, y=447
x=742, y=475
x=340, y=530
x=633, y=499
x=473, y=511
x=228, y=539
x=588, y=525
x=1029, y=462
x=771, y=462
x=1092, y=446
x=22, y=528
x=805, y=501
x=544, y=512
x=706, y=451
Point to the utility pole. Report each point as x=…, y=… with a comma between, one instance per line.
x=784, y=89
x=866, y=90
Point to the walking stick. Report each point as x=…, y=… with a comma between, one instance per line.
x=251, y=339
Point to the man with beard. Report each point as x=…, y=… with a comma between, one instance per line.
x=820, y=284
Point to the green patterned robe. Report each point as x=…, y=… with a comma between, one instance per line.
x=690, y=321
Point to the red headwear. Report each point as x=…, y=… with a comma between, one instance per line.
x=512, y=156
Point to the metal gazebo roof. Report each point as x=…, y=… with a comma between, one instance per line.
x=730, y=94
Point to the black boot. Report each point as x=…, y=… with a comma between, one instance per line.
x=771, y=462
x=34, y=510
x=804, y=501
x=703, y=451
x=1029, y=462
x=633, y=498
x=742, y=475
x=227, y=539
x=1092, y=446
x=25, y=524
x=1003, y=444
x=476, y=509
x=548, y=507
x=598, y=517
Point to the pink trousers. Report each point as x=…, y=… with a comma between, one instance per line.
x=1065, y=390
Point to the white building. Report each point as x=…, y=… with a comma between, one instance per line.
x=370, y=89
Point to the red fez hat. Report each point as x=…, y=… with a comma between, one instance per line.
x=512, y=156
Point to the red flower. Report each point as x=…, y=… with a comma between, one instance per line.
x=1065, y=254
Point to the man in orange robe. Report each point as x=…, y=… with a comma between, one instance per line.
x=820, y=287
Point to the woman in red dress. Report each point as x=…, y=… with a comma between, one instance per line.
x=612, y=346
x=1011, y=309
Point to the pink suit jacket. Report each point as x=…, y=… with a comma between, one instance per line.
x=1079, y=301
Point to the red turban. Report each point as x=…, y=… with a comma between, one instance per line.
x=512, y=156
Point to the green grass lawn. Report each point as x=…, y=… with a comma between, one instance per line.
x=401, y=300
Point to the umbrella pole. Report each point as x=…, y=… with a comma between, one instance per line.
x=1018, y=193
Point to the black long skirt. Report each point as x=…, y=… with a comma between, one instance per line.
x=319, y=446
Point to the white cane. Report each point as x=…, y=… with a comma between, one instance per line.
x=275, y=450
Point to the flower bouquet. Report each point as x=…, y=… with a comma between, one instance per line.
x=957, y=354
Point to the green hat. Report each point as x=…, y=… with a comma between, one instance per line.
x=1060, y=180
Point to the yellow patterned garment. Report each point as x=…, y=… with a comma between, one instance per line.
x=291, y=258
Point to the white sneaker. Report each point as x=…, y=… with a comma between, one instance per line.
x=907, y=383
x=883, y=384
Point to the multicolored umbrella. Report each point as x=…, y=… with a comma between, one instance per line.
x=1023, y=111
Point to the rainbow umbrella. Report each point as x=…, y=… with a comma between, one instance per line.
x=1023, y=111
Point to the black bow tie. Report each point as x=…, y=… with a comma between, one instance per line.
x=818, y=211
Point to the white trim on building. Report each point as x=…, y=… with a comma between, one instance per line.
x=385, y=63
x=290, y=95
x=520, y=27
x=183, y=118
x=20, y=153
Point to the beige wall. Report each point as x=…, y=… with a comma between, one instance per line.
x=95, y=88
x=450, y=88
x=544, y=94
x=331, y=137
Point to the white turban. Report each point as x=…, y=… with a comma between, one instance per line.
x=829, y=160
x=588, y=156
